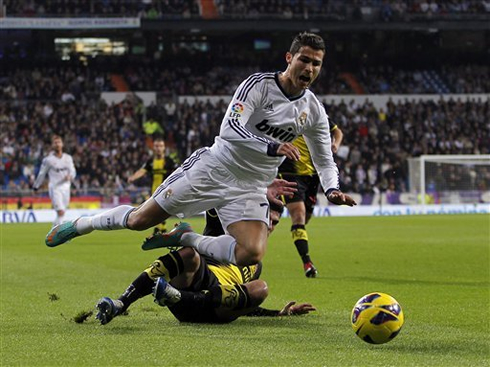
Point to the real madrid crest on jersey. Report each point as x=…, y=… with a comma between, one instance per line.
x=302, y=118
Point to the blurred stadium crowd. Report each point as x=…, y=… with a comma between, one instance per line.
x=285, y=9
x=41, y=95
x=220, y=76
x=109, y=142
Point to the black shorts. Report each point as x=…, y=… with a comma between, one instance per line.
x=307, y=190
x=204, y=279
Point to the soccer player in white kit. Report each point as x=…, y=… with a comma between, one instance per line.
x=61, y=171
x=267, y=112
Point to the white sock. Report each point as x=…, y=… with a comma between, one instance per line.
x=58, y=220
x=114, y=218
x=221, y=248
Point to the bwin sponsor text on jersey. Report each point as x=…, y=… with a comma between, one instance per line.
x=276, y=132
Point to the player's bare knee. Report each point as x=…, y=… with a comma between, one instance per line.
x=147, y=215
x=255, y=257
x=264, y=291
x=137, y=222
x=261, y=290
x=190, y=258
x=258, y=292
x=247, y=257
x=251, y=241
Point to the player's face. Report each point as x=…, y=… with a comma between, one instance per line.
x=57, y=145
x=159, y=148
x=274, y=220
x=304, y=66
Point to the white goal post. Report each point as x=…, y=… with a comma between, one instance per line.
x=450, y=179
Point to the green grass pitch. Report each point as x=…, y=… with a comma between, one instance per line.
x=437, y=267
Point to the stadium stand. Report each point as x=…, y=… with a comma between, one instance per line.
x=378, y=140
x=43, y=92
x=339, y=10
x=216, y=75
x=189, y=80
x=83, y=8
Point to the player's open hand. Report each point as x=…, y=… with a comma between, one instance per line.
x=339, y=198
x=293, y=309
x=280, y=187
x=288, y=150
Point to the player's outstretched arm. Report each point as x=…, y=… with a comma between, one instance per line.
x=138, y=174
x=292, y=309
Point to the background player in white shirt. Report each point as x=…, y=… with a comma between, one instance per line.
x=61, y=171
x=267, y=112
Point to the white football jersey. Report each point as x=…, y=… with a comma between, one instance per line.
x=259, y=117
x=57, y=169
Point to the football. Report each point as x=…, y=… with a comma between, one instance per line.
x=377, y=318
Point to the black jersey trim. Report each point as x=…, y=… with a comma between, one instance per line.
x=244, y=133
x=248, y=81
x=276, y=78
x=235, y=128
x=189, y=162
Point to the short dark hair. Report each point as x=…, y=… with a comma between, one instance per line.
x=307, y=39
x=158, y=137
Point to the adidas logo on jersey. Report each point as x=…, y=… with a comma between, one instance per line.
x=269, y=107
x=276, y=132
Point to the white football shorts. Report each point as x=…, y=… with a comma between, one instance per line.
x=202, y=183
x=60, y=197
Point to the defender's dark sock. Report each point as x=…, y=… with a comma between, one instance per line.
x=141, y=287
x=300, y=239
x=167, y=266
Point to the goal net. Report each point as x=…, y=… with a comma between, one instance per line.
x=450, y=179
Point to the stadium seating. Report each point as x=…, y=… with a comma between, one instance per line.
x=366, y=10
x=40, y=94
x=108, y=142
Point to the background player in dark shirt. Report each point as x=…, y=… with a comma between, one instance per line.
x=300, y=206
x=159, y=166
